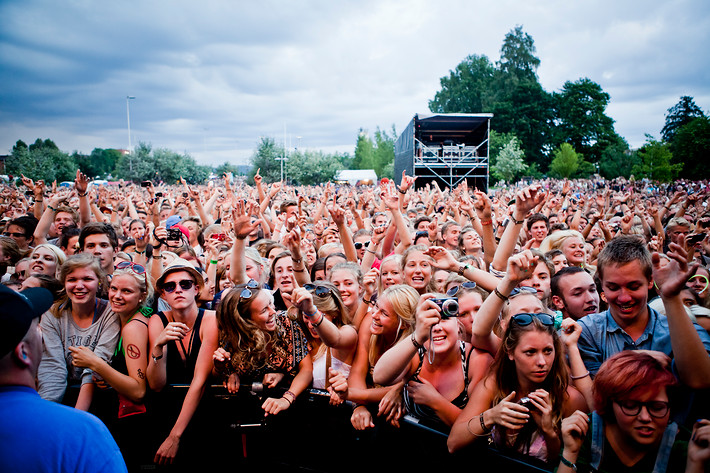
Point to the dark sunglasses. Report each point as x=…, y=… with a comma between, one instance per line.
x=526, y=319
x=247, y=289
x=320, y=291
x=522, y=290
x=185, y=285
x=14, y=234
x=359, y=245
x=135, y=267
x=453, y=290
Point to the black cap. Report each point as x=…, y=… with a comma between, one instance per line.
x=17, y=310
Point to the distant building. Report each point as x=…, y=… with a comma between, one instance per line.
x=354, y=177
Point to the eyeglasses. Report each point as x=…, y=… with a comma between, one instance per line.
x=247, y=291
x=14, y=234
x=185, y=285
x=526, y=319
x=522, y=290
x=657, y=409
x=455, y=289
x=359, y=245
x=135, y=267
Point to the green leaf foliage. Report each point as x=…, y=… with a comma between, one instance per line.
x=41, y=160
x=656, y=162
x=509, y=162
x=566, y=161
x=691, y=147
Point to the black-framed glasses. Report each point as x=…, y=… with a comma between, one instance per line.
x=135, y=267
x=527, y=318
x=185, y=285
x=247, y=289
x=320, y=291
x=453, y=290
x=657, y=409
x=522, y=290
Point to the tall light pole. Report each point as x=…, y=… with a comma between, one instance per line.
x=128, y=120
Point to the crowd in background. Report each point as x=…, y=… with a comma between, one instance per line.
x=564, y=322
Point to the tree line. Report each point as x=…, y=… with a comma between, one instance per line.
x=565, y=133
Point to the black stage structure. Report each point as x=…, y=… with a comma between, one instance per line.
x=446, y=148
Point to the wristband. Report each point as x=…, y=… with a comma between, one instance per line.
x=483, y=424
x=320, y=321
x=462, y=269
x=517, y=222
x=311, y=315
x=51, y=208
x=290, y=394
x=487, y=222
x=287, y=400
x=568, y=463
x=581, y=376
x=214, y=261
x=84, y=194
x=156, y=358
x=399, y=189
x=498, y=293
x=416, y=344
x=370, y=251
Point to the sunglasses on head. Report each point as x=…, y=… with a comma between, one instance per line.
x=185, y=285
x=455, y=289
x=247, y=289
x=320, y=291
x=522, y=290
x=527, y=318
x=135, y=267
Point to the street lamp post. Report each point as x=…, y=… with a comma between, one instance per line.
x=128, y=120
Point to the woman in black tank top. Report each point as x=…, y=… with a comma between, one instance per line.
x=182, y=342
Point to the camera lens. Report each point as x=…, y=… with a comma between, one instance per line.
x=450, y=308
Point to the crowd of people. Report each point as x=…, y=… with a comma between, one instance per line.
x=562, y=322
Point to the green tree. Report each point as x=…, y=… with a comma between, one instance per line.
x=581, y=118
x=566, y=161
x=226, y=167
x=41, y=160
x=678, y=115
x=384, y=151
x=517, y=56
x=312, y=167
x=100, y=163
x=617, y=160
x=656, y=162
x=266, y=159
x=509, y=163
x=467, y=89
x=691, y=146
x=161, y=164
x=364, y=151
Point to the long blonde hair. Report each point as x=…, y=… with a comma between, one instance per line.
x=404, y=300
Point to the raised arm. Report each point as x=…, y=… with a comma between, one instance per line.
x=243, y=226
x=690, y=354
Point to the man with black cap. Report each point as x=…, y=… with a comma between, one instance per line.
x=39, y=435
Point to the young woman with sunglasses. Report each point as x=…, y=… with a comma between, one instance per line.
x=78, y=319
x=525, y=395
x=129, y=289
x=391, y=320
x=440, y=368
x=631, y=428
x=254, y=340
x=181, y=342
x=332, y=338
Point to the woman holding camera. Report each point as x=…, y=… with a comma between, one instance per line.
x=525, y=395
x=442, y=369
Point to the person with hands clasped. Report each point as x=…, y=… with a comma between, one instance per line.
x=181, y=342
x=333, y=340
x=631, y=427
x=525, y=395
x=440, y=368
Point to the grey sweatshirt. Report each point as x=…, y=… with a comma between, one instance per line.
x=56, y=370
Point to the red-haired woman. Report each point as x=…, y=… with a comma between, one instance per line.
x=631, y=427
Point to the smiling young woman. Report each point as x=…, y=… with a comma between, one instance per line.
x=78, y=321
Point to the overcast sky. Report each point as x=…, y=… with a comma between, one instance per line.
x=210, y=78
